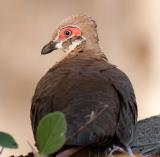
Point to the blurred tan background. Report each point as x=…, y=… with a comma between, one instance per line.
x=129, y=34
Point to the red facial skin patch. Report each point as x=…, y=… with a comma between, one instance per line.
x=75, y=31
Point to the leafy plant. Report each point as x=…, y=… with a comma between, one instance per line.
x=7, y=141
x=51, y=131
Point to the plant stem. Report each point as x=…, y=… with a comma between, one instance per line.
x=1, y=150
x=92, y=118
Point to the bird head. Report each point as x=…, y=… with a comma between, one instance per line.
x=74, y=33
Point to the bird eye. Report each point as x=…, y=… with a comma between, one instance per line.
x=67, y=33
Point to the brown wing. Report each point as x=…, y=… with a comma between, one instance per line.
x=128, y=107
x=43, y=99
x=127, y=112
x=78, y=91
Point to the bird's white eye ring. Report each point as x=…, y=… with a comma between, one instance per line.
x=67, y=33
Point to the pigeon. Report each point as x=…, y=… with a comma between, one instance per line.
x=96, y=98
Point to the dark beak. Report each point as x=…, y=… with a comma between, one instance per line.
x=51, y=46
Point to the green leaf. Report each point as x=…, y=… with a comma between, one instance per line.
x=7, y=141
x=51, y=133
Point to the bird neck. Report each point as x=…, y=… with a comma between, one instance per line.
x=87, y=53
x=92, y=46
x=87, y=49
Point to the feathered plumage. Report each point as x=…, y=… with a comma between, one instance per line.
x=84, y=83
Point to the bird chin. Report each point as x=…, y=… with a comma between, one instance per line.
x=59, y=45
x=75, y=45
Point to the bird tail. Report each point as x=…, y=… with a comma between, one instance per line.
x=147, y=136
